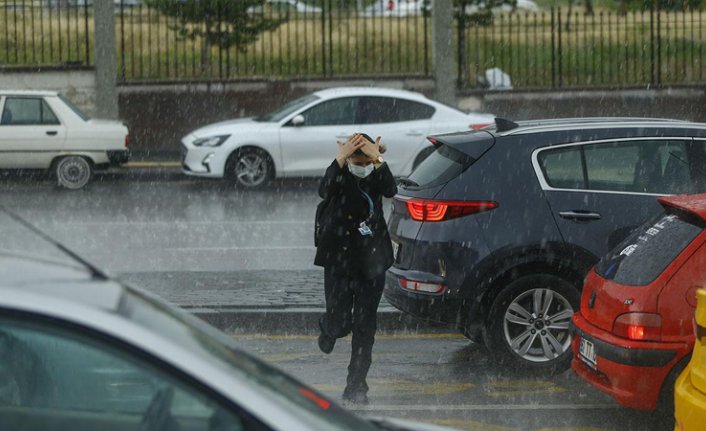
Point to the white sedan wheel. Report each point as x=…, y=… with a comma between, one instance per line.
x=73, y=172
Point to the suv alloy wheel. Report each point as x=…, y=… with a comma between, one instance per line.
x=528, y=323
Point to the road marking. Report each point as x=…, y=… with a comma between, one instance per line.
x=403, y=336
x=382, y=386
x=246, y=248
x=482, y=407
x=187, y=222
x=463, y=424
x=152, y=165
x=522, y=387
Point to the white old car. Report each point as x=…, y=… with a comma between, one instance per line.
x=44, y=130
x=299, y=139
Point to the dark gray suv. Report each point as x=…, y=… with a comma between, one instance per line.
x=495, y=231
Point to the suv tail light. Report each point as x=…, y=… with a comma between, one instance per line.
x=127, y=140
x=638, y=326
x=425, y=210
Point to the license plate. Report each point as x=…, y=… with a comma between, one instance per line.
x=395, y=249
x=587, y=352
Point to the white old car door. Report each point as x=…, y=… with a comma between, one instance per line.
x=31, y=134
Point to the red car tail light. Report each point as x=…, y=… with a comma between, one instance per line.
x=423, y=210
x=638, y=326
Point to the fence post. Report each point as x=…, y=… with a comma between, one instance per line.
x=462, y=57
x=106, y=65
x=323, y=38
x=553, y=50
x=442, y=36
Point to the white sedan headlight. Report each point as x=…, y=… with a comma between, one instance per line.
x=211, y=141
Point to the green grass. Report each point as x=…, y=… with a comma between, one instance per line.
x=606, y=49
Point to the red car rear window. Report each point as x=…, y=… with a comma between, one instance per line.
x=642, y=256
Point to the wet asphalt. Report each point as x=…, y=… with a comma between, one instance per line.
x=190, y=240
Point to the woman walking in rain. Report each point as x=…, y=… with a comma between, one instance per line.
x=354, y=247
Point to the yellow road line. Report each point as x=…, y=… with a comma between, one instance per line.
x=403, y=336
x=152, y=165
x=382, y=386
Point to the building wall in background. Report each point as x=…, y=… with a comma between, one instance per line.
x=79, y=85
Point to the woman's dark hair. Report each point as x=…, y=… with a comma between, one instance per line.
x=360, y=152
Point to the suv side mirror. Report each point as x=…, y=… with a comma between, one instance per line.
x=298, y=120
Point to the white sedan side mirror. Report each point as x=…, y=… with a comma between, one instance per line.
x=298, y=120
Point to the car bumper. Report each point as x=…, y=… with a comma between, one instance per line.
x=202, y=162
x=632, y=372
x=428, y=306
x=118, y=157
x=689, y=405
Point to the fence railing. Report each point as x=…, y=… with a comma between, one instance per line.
x=560, y=50
x=45, y=33
x=325, y=39
x=333, y=38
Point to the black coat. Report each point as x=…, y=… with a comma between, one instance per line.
x=341, y=246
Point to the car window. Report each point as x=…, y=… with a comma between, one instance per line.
x=50, y=375
x=638, y=166
x=27, y=111
x=698, y=165
x=441, y=166
x=374, y=110
x=341, y=111
x=74, y=108
x=562, y=168
x=217, y=348
x=287, y=109
x=642, y=256
x=659, y=167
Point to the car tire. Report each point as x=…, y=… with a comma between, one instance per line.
x=73, y=172
x=518, y=331
x=250, y=168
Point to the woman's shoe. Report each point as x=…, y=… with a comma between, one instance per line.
x=359, y=397
x=326, y=343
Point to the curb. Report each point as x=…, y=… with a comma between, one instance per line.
x=302, y=321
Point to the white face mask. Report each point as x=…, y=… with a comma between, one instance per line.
x=360, y=171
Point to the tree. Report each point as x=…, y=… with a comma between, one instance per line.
x=221, y=23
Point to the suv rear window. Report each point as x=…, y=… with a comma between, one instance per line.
x=642, y=256
x=440, y=167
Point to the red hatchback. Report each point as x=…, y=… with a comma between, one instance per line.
x=634, y=333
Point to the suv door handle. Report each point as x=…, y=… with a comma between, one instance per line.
x=580, y=215
x=344, y=135
x=414, y=133
x=52, y=132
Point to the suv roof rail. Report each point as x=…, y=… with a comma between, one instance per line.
x=503, y=125
x=573, y=120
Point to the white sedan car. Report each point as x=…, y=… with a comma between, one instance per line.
x=44, y=130
x=299, y=139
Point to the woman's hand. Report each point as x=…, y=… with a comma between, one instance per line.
x=372, y=149
x=346, y=149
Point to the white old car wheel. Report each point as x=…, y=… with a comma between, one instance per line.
x=73, y=172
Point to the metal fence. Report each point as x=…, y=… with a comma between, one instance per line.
x=341, y=38
x=324, y=39
x=561, y=50
x=45, y=33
